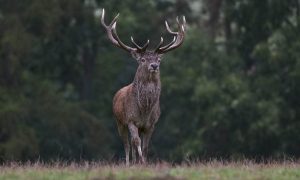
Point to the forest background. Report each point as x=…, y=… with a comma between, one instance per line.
x=231, y=91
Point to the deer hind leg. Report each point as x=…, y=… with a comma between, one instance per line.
x=123, y=132
x=146, y=139
x=136, y=141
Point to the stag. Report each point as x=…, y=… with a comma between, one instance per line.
x=136, y=106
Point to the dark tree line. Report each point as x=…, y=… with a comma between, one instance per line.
x=231, y=90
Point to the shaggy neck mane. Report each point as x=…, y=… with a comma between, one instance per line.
x=146, y=87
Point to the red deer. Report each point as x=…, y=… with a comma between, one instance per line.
x=136, y=106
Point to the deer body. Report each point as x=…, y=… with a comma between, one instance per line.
x=136, y=106
x=138, y=103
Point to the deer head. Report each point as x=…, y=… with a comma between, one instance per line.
x=149, y=60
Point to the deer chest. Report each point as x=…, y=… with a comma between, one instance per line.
x=147, y=96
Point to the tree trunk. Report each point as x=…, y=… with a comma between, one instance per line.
x=213, y=7
x=88, y=61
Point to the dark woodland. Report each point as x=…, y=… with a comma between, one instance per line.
x=232, y=89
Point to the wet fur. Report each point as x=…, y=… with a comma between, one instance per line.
x=136, y=108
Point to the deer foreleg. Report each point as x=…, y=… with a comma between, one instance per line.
x=136, y=141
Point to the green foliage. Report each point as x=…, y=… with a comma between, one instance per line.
x=232, y=92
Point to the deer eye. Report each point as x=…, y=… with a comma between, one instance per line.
x=143, y=60
x=158, y=60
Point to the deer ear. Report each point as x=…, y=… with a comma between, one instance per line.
x=136, y=55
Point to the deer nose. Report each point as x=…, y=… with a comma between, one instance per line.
x=154, y=66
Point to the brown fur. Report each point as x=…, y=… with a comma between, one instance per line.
x=136, y=107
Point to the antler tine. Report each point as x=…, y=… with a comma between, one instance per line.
x=168, y=45
x=179, y=36
x=184, y=21
x=112, y=33
x=181, y=25
x=122, y=45
x=160, y=43
x=112, y=22
x=177, y=20
x=102, y=17
x=134, y=43
x=141, y=49
x=168, y=28
x=108, y=28
x=115, y=19
x=146, y=45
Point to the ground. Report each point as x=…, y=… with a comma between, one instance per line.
x=103, y=171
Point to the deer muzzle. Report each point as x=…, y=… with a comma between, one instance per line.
x=154, y=67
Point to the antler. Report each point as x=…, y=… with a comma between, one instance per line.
x=177, y=40
x=113, y=36
x=139, y=48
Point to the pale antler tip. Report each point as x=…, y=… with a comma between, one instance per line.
x=166, y=23
x=102, y=17
x=177, y=19
x=114, y=25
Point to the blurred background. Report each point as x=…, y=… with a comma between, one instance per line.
x=231, y=90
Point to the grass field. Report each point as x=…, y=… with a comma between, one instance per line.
x=99, y=171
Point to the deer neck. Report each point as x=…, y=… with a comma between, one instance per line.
x=146, y=88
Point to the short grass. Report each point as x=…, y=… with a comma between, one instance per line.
x=100, y=171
